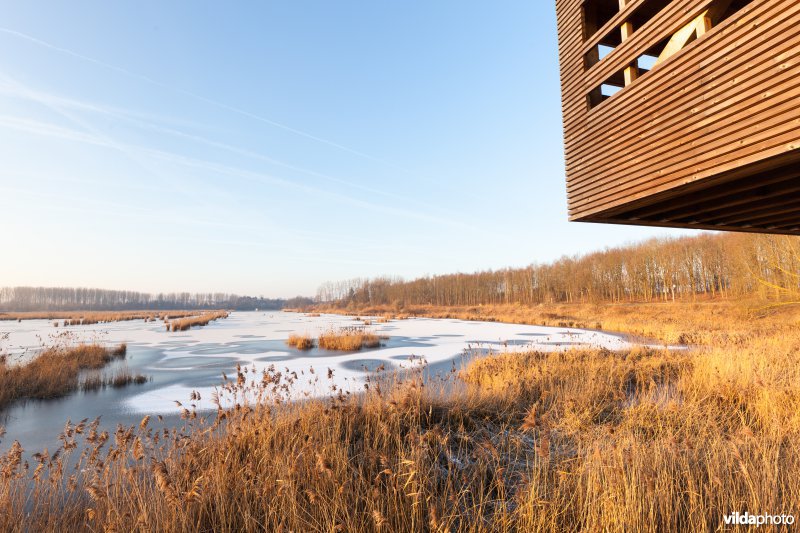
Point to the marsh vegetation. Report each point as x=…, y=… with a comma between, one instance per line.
x=118, y=379
x=642, y=439
x=182, y=324
x=300, y=342
x=55, y=372
x=639, y=439
x=83, y=318
x=346, y=339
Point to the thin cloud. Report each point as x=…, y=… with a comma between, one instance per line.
x=70, y=134
x=202, y=98
x=18, y=90
x=77, y=136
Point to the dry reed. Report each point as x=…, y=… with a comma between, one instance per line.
x=53, y=373
x=348, y=340
x=300, y=342
x=584, y=440
x=704, y=321
x=120, y=378
x=183, y=324
x=77, y=318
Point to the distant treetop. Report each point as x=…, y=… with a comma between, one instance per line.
x=81, y=298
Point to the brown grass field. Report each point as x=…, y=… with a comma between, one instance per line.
x=589, y=440
x=702, y=321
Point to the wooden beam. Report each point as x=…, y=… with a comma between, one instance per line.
x=708, y=139
x=703, y=25
x=698, y=27
x=682, y=37
x=691, y=204
x=631, y=72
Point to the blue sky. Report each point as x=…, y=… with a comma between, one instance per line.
x=265, y=147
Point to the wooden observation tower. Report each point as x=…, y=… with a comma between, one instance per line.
x=682, y=113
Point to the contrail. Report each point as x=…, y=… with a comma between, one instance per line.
x=95, y=137
x=124, y=149
x=238, y=172
x=191, y=94
x=16, y=89
x=230, y=108
x=51, y=130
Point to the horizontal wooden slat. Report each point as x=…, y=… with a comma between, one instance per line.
x=788, y=229
x=666, y=22
x=727, y=102
x=697, y=83
x=776, y=115
x=756, y=152
x=778, y=172
x=709, y=204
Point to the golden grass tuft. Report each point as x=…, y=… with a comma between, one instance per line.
x=300, y=342
x=348, y=340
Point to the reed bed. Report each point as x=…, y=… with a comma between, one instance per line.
x=701, y=321
x=301, y=342
x=348, y=339
x=77, y=318
x=53, y=373
x=583, y=440
x=182, y=324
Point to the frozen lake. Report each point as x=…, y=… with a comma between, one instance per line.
x=195, y=360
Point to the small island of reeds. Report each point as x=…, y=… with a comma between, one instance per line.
x=348, y=339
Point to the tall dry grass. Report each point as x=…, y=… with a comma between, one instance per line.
x=348, y=339
x=585, y=440
x=702, y=321
x=182, y=324
x=53, y=373
x=300, y=342
x=654, y=441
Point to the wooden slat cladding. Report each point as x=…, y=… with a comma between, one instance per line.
x=721, y=114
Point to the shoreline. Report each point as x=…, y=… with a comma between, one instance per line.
x=691, y=322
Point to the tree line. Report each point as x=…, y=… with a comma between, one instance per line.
x=87, y=299
x=709, y=264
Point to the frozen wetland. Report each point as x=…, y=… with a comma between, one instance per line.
x=195, y=360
